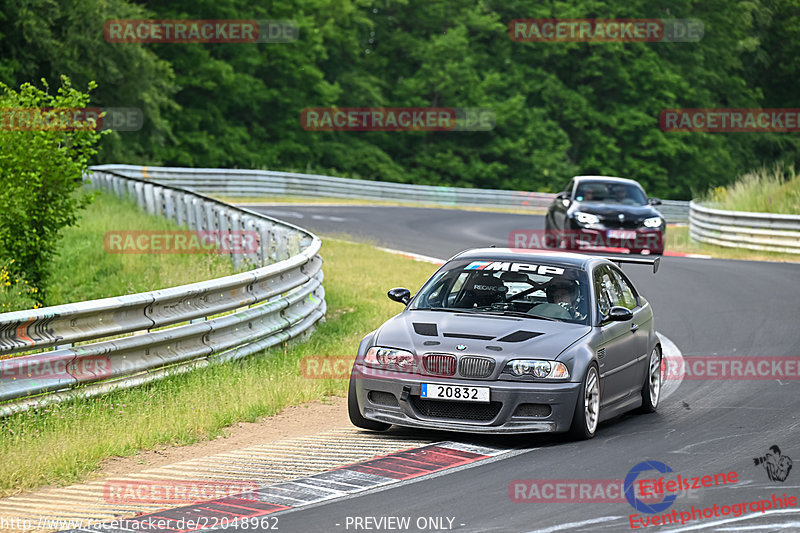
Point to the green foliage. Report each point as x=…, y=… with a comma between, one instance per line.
x=84, y=269
x=15, y=293
x=40, y=173
x=48, y=38
x=561, y=108
x=765, y=190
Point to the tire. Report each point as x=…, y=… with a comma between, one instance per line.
x=355, y=415
x=584, y=424
x=653, y=382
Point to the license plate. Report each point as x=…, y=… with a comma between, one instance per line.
x=434, y=391
x=621, y=234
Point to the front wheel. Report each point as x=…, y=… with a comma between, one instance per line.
x=355, y=414
x=587, y=408
x=651, y=389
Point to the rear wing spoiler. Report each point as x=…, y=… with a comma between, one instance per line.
x=655, y=261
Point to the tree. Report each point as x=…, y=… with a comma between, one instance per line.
x=45, y=146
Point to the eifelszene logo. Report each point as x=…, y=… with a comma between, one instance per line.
x=642, y=506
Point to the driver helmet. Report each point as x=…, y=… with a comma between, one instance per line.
x=562, y=285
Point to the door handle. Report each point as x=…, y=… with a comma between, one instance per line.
x=634, y=327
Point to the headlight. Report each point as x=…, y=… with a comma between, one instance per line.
x=586, y=218
x=537, y=369
x=652, y=222
x=390, y=359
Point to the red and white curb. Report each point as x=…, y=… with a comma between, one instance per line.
x=389, y=469
x=415, y=257
x=681, y=254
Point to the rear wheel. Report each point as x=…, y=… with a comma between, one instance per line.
x=355, y=414
x=587, y=408
x=651, y=389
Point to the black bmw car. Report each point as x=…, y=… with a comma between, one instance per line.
x=606, y=212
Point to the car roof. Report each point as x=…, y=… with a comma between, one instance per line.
x=613, y=179
x=545, y=257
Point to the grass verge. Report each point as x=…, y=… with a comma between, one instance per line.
x=64, y=443
x=678, y=241
x=85, y=270
x=765, y=190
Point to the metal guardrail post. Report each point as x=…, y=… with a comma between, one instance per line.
x=739, y=229
x=235, y=182
x=285, y=299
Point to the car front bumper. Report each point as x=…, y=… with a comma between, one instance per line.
x=651, y=239
x=396, y=400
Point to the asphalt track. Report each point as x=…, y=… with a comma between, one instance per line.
x=707, y=307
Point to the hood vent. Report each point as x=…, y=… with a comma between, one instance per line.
x=468, y=336
x=520, y=336
x=426, y=329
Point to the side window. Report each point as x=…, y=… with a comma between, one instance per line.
x=568, y=187
x=627, y=294
x=603, y=297
x=434, y=296
x=611, y=288
x=456, y=288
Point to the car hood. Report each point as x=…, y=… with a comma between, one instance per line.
x=604, y=209
x=500, y=337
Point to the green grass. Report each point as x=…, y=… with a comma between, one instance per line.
x=84, y=270
x=766, y=190
x=772, y=190
x=65, y=443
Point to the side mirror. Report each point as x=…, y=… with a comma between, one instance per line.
x=654, y=201
x=399, y=294
x=564, y=197
x=619, y=314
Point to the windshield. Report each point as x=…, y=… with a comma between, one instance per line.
x=508, y=288
x=610, y=193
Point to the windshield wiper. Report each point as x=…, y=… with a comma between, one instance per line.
x=468, y=310
x=544, y=318
x=474, y=310
x=519, y=314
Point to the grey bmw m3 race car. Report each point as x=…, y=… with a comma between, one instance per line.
x=505, y=341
